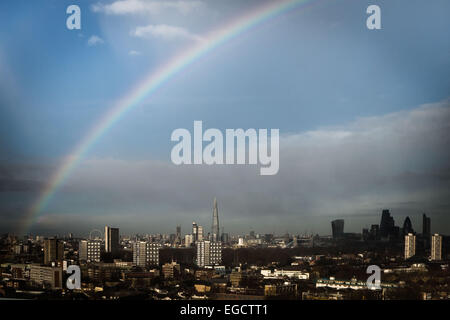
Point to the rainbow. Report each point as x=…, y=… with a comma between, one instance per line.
x=149, y=85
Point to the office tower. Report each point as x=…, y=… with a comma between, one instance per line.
x=209, y=253
x=337, y=227
x=146, y=253
x=407, y=226
x=188, y=240
x=200, y=233
x=215, y=233
x=225, y=238
x=53, y=251
x=365, y=234
x=111, y=239
x=194, y=231
x=172, y=238
x=90, y=250
x=178, y=235
x=375, y=231
x=436, y=247
x=387, y=224
x=426, y=225
x=410, y=245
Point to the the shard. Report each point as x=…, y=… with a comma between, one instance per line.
x=215, y=223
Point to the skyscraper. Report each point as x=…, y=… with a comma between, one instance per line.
x=436, y=247
x=410, y=245
x=111, y=239
x=426, y=226
x=188, y=240
x=337, y=227
x=178, y=235
x=194, y=232
x=387, y=224
x=53, y=250
x=407, y=226
x=200, y=233
x=215, y=233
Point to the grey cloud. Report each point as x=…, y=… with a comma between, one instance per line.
x=397, y=161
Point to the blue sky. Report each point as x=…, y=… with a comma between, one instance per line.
x=315, y=67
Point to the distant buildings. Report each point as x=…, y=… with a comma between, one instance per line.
x=374, y=232
x=170, y=270
x=337, y=227
x=280, y=274
x=90, y=250
x=53, y=251
x=209, y=253
x=436, y=247
x=410, y=245
x=111, y=239
x=145, y=253
x=188, y=240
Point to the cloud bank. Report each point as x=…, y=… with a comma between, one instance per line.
x=397, y=161
x=165, y=32
x=127, y=7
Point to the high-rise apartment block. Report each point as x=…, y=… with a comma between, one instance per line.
x=410, y=245
x=436, y=247
x=90, y=250
x=146, y=253
x=50, y=277
x=209, y=253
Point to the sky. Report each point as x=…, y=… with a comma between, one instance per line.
x=363, y=115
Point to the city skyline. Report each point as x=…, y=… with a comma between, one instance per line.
x=387, y=227
x=361, y=128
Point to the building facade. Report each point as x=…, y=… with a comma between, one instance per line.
x=145, y=253
x=90, y=250
x=209, y=253
x=46, y=276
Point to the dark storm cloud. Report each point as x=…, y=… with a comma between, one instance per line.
x=23, y=177
x=398, y=161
